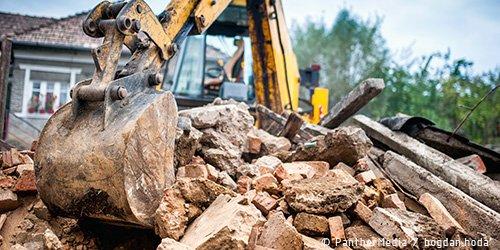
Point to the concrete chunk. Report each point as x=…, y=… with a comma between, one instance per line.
x=405, y=228
x=226, y=222
x=324, y=195
x=311, y=224
x=8, y=200
x=278, y=234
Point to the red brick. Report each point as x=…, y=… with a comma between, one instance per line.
x=264, y=202
x=363, y=212
x=244, y=184
x=26, y=182
x=336, y=228
x=475, y=162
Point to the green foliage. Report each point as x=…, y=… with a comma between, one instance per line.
x=433, y=86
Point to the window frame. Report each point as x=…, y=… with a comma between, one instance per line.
x=28, y=85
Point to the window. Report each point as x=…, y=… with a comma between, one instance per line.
x=46, y=89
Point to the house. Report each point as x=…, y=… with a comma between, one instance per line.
x=49, y=57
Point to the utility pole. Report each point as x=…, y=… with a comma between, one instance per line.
x=5, y=55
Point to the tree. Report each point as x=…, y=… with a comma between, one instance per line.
x=433, y=86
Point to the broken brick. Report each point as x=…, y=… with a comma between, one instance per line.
x=26, y=182
x=8, y=200
x=473, y=161
x=278, y=234
x=264, y=202
x=266, y=183
x=336, y=228
x=7, y=182
x=365, y=177
x=393, y=201
x=363, y=212
x=244, y=184
x=438, y=212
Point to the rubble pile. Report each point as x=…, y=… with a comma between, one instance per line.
x=240, y=187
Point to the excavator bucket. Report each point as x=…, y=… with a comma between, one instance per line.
x=108, y=154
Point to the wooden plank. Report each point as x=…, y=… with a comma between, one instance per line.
x=5, y=50
x=471, y=214
x=292, y=126
x=478, y=186
x=353, y=102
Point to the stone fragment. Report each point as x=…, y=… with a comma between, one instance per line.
x=50, y=240
x=192, y=211
x=362, y=165
x=244, y=184
x=336, y=228
x=201, y=192
x=325, y=195
x=254, y=144
x=249, y=170
x=272, y=144
x=226, y=180
x=226, y=222
x=187, y=141
x=26, y=182
x=343, y=144
x=278, y=234
x=196, y=171
x=393, y=201
x=24, y=167
x=266, y=183
x=371, y=197
x=384, y=186
x=7, y=181
x=268, y=161
x=365, y=177
x=171, y=244
x=11, y=158
x=8, y=200
x=41, y=211
x=264, y=202
x=311, y=224
x=438, y=212
x=405, y=228
x=171, y=217
x=310, y=169
x=313, y=244
x=346, y=168
x=363, y=212
x=213, y=174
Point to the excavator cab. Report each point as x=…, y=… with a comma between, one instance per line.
x=215, y=64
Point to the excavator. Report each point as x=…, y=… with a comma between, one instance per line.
x=108, y=154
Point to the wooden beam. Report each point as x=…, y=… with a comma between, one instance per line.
x=471, y=214
x=292, y=126
x=478, y=186
x=353, y=102
x=5, y=50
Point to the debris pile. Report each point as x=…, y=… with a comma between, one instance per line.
x=240, y=187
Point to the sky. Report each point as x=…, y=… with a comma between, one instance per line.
x=469, y=28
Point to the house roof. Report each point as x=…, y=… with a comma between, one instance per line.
x=65, y=32
x=41, y=31
x=11, y=24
